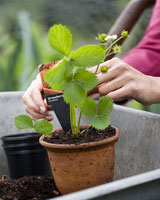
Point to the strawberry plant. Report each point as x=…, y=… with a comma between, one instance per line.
x=72, y=76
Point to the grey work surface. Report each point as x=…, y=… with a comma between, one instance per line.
x=137, y=150
x=140, y=187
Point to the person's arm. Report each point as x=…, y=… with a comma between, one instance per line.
x=145, y=57
x=123, y=81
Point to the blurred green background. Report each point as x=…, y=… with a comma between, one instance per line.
x=24, y=28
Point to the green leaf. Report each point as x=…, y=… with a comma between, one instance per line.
x=60, y=38
x=105, y=106
x=89, y=107
x=100, y=122
x=59, y=76
x=88, y=56
x=43, y=127
x=74, y=94
x=23, y=122
x=86, y=79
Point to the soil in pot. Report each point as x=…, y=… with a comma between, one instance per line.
x=28, y=188
x=89, y=135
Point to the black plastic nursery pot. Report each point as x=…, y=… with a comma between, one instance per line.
x=25, y=156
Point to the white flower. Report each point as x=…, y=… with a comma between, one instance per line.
x=114, y=37
x=110, y=38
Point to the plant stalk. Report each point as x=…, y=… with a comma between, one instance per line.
x=79, y=120
x=73, y=120
x=110, y=47
x=97, y=68
x=108, y=51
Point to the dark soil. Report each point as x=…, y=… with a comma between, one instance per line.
x=89, y=135
x=28, y=188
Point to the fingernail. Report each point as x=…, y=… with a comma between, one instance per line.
x=49, y=118
x=42, y=109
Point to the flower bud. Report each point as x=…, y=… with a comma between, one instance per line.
x=104, y=69
x=124, y=34
x=101, y=37
x=117, y=49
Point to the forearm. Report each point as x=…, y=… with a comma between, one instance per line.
x=145, y=57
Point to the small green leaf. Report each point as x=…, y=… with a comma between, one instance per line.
x=74, y=94
x=105, y=106
x=43, y=127
x=59, y=76
x=86, y=79
x=60, y=38
x=89, y=107
x=100, y=122
x=88, y=56
x=23, y=122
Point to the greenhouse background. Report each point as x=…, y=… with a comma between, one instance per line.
x=24, y=28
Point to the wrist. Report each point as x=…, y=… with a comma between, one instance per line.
x=155, y=90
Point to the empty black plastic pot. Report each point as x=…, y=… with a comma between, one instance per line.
x=25, y=156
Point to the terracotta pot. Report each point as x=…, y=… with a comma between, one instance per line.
x=43, y=68
x=76, y=167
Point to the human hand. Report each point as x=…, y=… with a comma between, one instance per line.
x=123, y=81
x=35, y=105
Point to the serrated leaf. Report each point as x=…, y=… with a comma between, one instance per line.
x=100, y=122
x=86, y=79
x=89, y=107
x=74, y=94
x=60, y=38
x=59, y=76
x=43, y=127
x=88, y=56
x=105, y=106
x=23, y=122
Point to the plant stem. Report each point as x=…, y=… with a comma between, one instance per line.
x=109, y=49
x=73, y=120
x=110, y=46
x=79, y=120
x=84, y=130
x=110, y=53
x=97, y=68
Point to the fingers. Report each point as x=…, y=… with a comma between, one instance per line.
x=34, y=102
x=33, y=99
x=121, y=93
x=121, y=80
x=110, y=75
x=116, y=69
x=112, y=85
x=92, y=69
x=36, y=116
x=93, y=91
x=106, y=77
x=28, y=101
x=94, y=96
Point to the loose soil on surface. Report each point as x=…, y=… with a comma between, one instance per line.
x=28, y=188
x=88, y=135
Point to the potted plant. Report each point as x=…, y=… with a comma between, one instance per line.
x=84, y=156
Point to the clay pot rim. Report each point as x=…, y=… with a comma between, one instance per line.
x=50, y=91
x=82, y=145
